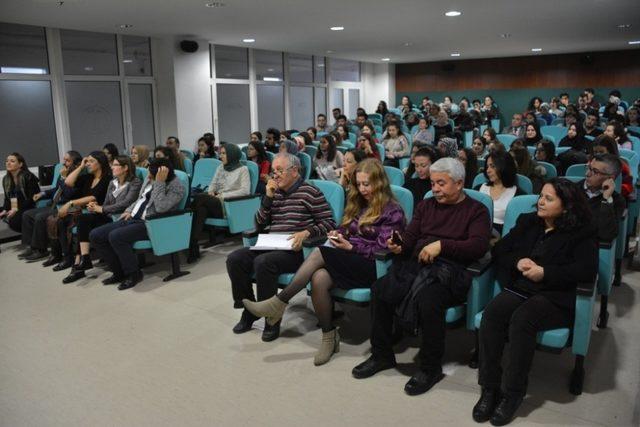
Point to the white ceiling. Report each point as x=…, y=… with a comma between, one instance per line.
x=374, y=29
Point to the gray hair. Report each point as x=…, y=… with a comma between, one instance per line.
x=292, y=160
x=452, y=167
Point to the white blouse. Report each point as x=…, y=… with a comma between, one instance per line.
x=499, y=204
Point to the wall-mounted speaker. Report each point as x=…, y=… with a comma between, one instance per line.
x=586, y=59
x=448, y=67
x=188, y=46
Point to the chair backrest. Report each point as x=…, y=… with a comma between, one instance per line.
x=395, y=175
x=271, y=156
x=635, y=129
x=188, y=154
x=482, y=163
x=188, y=167
x=142, y=173
x=559, y=121
x=405, y=199
x=522, y=182
x=557, y=132
x=517, y=206
x=184, y=179
x=321, y=133
x=347, y=144
x=495, y=123
x=476, y=195
x=334, y=194
x=577, y=170
x=551, y=138
x=506, y=139
x=311, y=150
x=353, y=138
x=552, y=172
x=636, y=143
x=381, y=151
x=305, y=159
x=56, y=173
x=541, y=122
x=403, y=163
x=204, y=171
x=254, y=174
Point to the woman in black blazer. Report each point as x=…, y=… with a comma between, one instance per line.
x=539, y=264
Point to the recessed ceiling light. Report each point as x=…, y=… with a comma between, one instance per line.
x=536, y=49
x=455, y=54
x=336, y=28
x=634, y=42
x=453, y=13
x=125, y=26
x=271, y=70
x=271, y=79
x=385, y=59
x=505, y=35
x=127, y=61
x=88, y=68
x=624, y=26
x=408, y=44
x=215, y=4
x=248, y=40
x=329, y=51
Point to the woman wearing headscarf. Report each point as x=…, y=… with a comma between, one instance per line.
x=230, y=180
x=448, y=147
x=288, y=146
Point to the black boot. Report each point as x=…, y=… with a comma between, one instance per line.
x=194, y=253
x=56, y=254
x=131, y=280
x=245, y=323
x=76, y=274
x=271, y=333
x=506, y=410
x=485, y=407
x=85, y=263
x=26, y=253
x=36, y=254
x=67, y=262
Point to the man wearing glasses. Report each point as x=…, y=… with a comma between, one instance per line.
x=291, y=206
x=606, y=204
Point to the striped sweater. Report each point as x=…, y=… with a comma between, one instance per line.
x=303, y=207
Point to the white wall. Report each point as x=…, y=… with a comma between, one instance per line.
x=162, y=56
x=379, y=85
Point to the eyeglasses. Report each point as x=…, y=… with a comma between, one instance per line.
x=280, y=171
x=595, y=171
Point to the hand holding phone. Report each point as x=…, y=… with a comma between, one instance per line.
x=396, y=238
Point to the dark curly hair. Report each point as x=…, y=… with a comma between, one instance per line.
x=575, y=207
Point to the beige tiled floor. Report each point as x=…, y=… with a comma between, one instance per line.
x=162, y=354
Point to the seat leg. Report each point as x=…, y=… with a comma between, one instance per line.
x=604, y=314
x=577, y=376
x=618, y=274
x=473, y=361
x=175, y=268
x=142, y=261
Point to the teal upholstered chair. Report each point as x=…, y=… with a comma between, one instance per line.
x=305, y=160
x=169, y=232
x=578, y=336
x=556, y=132
x=395, y=175
x=523, y=182
x=403, y=163
x=203, y=173
x=56, y=175
x=142, y=173
x=188, y=154
x=240, y=211
x=188, y=167
x=495, y=123
x=577, y=170
x=552, y=172
x=506, y=139
x=311, y=150
x=381, y=150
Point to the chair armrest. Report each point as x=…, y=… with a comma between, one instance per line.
x=167, y=214
x=383, y=255
x=250, y=234
x=237, y=198
x=312, y=242
x=625, y=213
x=586, y=288
x=481, y=265
x=605, y=245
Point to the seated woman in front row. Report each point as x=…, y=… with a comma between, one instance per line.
x=230, y=180
x=539, y=264
x=370, y=217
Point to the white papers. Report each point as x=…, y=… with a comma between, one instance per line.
x=273, y=242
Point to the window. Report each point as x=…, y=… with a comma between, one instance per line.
x=345, y=71
x=231, y=62
x=270, y=106
x=320, y=100
x=301, y=101
x=27, y=122
x=354, y=103
x=300, y=68
x=233, y=112
x=141, y=106
x=136, y=56
x=23, y=49
x=89, y=53
x=95, y=115
x=319, y=69
x=337, y=99
x=269, y=65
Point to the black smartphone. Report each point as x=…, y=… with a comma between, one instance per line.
x=396, y=238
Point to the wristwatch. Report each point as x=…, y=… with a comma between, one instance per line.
x=71, y=203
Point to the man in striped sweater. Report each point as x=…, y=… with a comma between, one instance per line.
x=289, y=206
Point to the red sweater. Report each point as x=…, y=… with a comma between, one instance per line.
x=463, y=229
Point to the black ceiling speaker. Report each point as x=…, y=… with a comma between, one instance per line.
x=586, y=59
x=448, y=66
x=188, y=46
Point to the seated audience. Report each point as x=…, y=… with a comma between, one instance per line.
x=257, y=154
x=34, y=221
x=442, y=128
x=489, y=110
x=539, y=264
x=575, y=139
x=140, y=156
x=343, y=131
x=546, y=152
x=111, y=151
x=447, y=232
x=616, y=131
x=91, y=187
x=490, y=135
x=447, y=147
x=352, y=157
x=468, y=158
x=632, y=117
x=423, y=135
x=288, y=146
x=604, y=144
x=122, y=191
x=230, y=180
x=501, y=185
x=289, y=206
x=370, y=130
x=590, y=125
x=321, y=123
x=516, y=128
x=420, y=184
x=174, y=144
x=328, y=161
x=161, y=192
x=528, y=167
x=272, y=140
x=395, y=145
x=313, y=133
x=479, y=147
x=371, y=216
x=554, y=107
x=366, y=144
x=169, y=154
x=382, y=109
x=206, y=150
x=20, y=187
x=256, y=137
x=532, y=134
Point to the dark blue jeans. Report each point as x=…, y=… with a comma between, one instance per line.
x=114, y=243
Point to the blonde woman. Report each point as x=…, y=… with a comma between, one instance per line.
x=140, y=156
x=347, y=262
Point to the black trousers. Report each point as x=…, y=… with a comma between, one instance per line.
x=511, y=316
x=267, y=266
x=15, y=222
x=34, y=227
x=433, y=301
x=114, y=243
x=89, y=221
x=63, y=234
x=204, y=206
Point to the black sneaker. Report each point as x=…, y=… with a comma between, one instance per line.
x=113, y=280
x=131, y=281
x=506, y=410
x=73, y=276
x=372, y=366
x=36, y=255
x=422, y=382
x=486, y=405
x=271, y=333
x=245, y=324
x=25, y=254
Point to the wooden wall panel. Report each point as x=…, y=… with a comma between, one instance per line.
x=610, y=69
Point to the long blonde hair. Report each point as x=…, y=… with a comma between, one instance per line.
x=381, y=194
x=143, y=154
